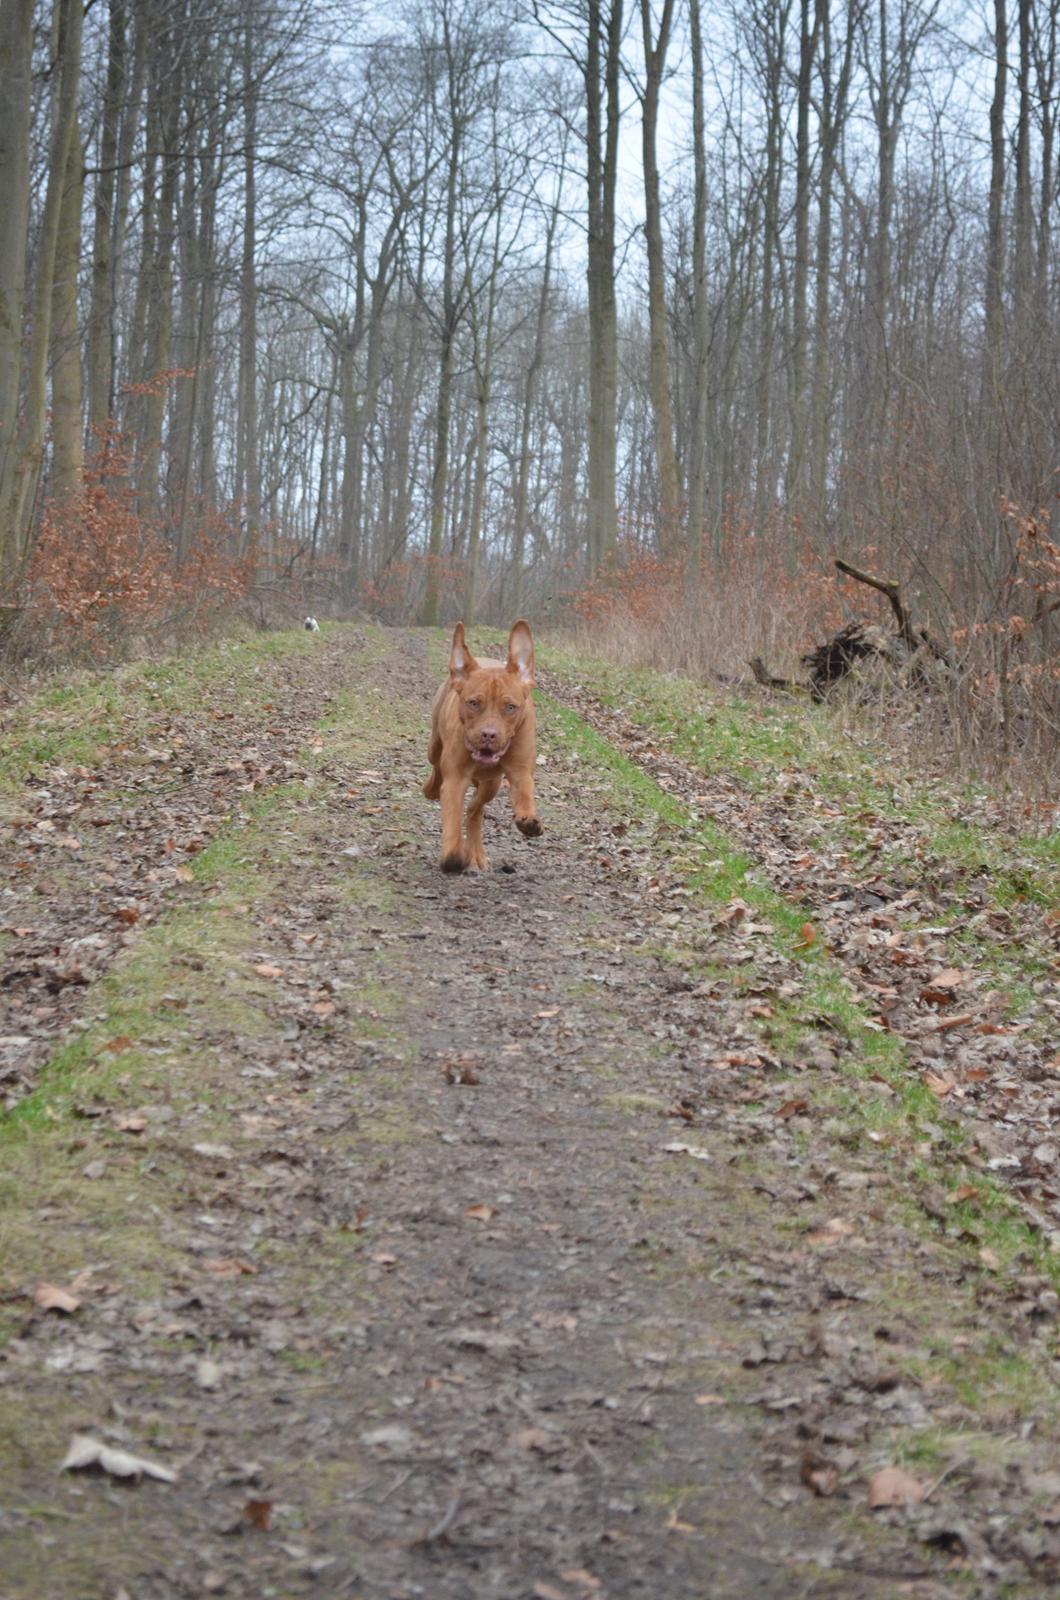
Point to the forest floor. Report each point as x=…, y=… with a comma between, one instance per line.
x=673, y=1210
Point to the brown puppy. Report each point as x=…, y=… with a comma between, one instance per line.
x=483, y=729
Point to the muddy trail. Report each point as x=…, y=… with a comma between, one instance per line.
x=464, y=1237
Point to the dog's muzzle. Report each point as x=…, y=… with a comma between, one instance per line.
x=488, y=758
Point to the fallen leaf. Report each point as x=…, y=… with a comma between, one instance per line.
x=677, y=1148
x=51, y=1298
x=675, y=1525
x=127, y=914
x=807, y=936
x=819, y=1474
x=710, y=1399
x=580, y=1576
x=460, y=1071
x=947, y=1024
x=792, y=1108
x=259, y=1514
x=267, y=970
x=86, y=1452
x=131, y=1124
x=948, y=978
x=392, y=1436
x=939, y=1086
x=228, y=1267
x=547, y=1591
x=893, y=1487
x=990, y=1259
x=207, y=1373
x=536, y=1439
x=932, y=995
x=834, y=1232
x=967, y=1191
x=118, y=1044
x=481, y=1213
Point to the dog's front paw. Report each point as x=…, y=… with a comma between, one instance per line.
x=529, y=827
x=454, y=861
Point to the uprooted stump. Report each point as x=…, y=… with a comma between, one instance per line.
x=858, y=641
x=905, y=652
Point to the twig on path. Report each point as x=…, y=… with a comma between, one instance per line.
x=398, y=1483
x=954, y=1466
x=445, y=1522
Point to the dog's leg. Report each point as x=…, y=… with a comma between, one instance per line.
x=485, y=789
x=523, y=804
x=454, y=856
x=433, y=787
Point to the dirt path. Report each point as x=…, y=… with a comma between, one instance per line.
x=443, y=1236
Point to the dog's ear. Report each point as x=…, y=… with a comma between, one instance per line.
x=461, y=661
x=521, y=652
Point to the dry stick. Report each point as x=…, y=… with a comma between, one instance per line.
x=954, y=1466
x=763, y=676
x=888, y=587
x=913, y=637
x=445, y=1522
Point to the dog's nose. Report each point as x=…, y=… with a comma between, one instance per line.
x=488, y=735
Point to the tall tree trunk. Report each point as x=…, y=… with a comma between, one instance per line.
x=67, y=420
x=451, y=311
x=700, y=401
x=248, y=472
x=995, y=242
x=796, y=482
x=834, y=101
x=482, y=361
x=131, y=121
x=100, y=349
x=773, y=26
x=1023, y=257
x=16, y=52
x=601, y=72
x=659, y=353
x=1046, y=65
x=886, y=147
x=159, y=309
x=520, y=499
x=67, y=57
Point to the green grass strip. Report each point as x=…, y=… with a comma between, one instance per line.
x=719, y=872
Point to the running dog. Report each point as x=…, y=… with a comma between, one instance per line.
x=483, y=730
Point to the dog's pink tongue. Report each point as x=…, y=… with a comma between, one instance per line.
x=489, y=756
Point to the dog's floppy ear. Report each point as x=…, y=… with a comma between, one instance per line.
x=521, y=651
x=461, y=661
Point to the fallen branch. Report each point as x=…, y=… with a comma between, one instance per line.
x=914, y=638
x=888, y=587
x=767, y=680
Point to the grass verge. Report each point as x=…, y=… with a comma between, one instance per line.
x=909, y=1120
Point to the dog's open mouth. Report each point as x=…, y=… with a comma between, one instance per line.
x=488, y=758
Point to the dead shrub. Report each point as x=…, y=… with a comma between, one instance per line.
x=100, y=575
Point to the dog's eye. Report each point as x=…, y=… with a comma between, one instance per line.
x=510, y=709
x=473, y=705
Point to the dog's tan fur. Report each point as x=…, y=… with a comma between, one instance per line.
x=482, y=730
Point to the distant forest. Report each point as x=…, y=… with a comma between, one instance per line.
x=460, y=305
